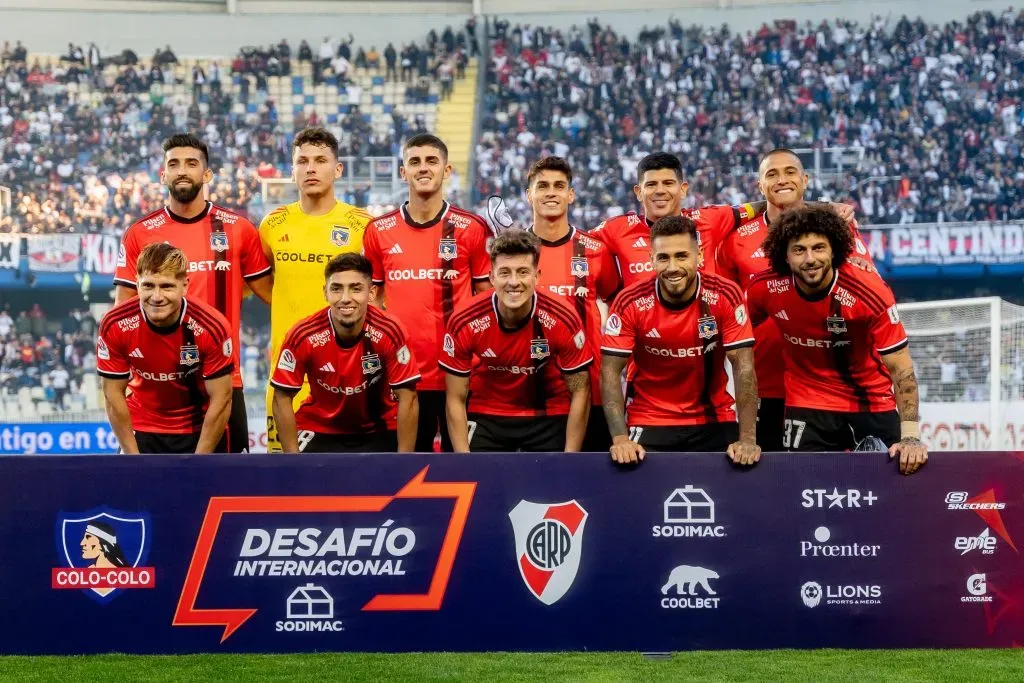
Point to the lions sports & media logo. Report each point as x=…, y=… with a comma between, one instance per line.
x=549, y=544
x=102, y=552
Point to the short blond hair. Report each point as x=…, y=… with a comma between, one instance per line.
x=162, y=259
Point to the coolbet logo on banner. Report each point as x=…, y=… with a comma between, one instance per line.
x=416, y=552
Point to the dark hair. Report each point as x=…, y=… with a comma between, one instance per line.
x=673, y=225
x=426, y=140
x=658, y=161
x=808, y=220
x=318, y=137
x=112, y=551
x=187, y=140
x=782, y=150
x=350, y=261
x=549, y=164
x=515, y=243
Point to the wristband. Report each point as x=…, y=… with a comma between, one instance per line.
x=910, y=430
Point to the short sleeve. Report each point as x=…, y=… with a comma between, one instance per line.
x=860, y=249
x=371, y=250
x=887, y=330
x=608, y=279
x=290, y=370
x=217, y=351
x=254, y=260
x=721, y=220
x=479, y=259
x=111, y=361
x=725, y=265
x=619, y=330
x=403, y=371
x=456, y=355
x=127, y=256
x=736, y=329
x=573, y=352
x=755, y=299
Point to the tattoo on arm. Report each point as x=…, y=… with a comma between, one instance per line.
x=906, y=394
x=742, y=361
x=612, y=400
x=576, y=381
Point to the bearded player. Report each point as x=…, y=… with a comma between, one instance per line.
x=300, y=238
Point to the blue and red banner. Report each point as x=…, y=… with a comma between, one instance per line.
x=168, y=554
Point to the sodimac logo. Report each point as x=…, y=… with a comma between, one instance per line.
x=343, y=551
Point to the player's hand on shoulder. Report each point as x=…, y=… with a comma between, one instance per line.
x=626, y=452
x=844, y=211
x=744, y=452
x=912, y=452
x=863, y=264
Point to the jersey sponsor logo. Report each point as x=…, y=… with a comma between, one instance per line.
x=225, y=217
x=448, y=249
x=219, y=241
x=374, y=334
x=513, y=369
x=386, y=223
x=370, y=363
x=579, y=267
x=539, y=349
x=632, y=219
x=844, y=297
x=122, y=257
x=777, y=286
x=545, y=319
x=645, y=303
x=208, y=266
x=836, y=324
x=189, y=355
x=128, y=324
x=480, y=324
x=688, y=352
x=308, y=257
x=613, y=326
x=319, y=339
x=748, y=229
x=339, y=236
x=195, y=327
x=641, y=267
x=588, y=242
x=707, y=327
x=102, y=350
x=449, y=345
x=640, y=243
x=397, y=249
x=347, y=390
x=422, y=274
x=579, y=339
x=286, y=361
x=458, y=221
x=709, y=296
x=741, y=315
x=894, y=315
x=569, y=290
x=815, y=343
x=164, y=376
x=155, y=221
x=403, y=355
x=226, y=348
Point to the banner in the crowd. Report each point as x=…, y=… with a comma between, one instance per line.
x=178, y=554
x=56, y=438
x=946, y=244
x=963, y=426
x=99, y=253
x=54, y=253
x=10, y=251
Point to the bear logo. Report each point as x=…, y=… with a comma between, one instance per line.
x=685, y=579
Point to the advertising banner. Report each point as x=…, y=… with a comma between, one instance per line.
x=10, y=251
x=56, y=438
x=54, y=253
x=167, y=554
x=925, y=249
x=99, y=253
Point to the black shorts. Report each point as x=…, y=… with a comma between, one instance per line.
x=597, y=439
x=771, y=416
x=238, y=424
x=494, y=433
x=432, y=420
x=373, y=442
x=173, y=444
x=709, y=438
x=807, y=429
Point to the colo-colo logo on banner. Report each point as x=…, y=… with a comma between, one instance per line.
x=688, y=512
x=306, y=560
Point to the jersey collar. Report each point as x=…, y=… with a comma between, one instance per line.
x=429, y=224
x=522, y=323
x=341, y=342
x=195, y=219
x=678, y=307
x=555, y=243
x=820, y=295
x=170, y=329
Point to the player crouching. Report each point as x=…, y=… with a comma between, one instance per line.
x=362, y=376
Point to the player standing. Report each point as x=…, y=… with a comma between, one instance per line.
x=429, y=258
x=301, y=237
x=783, y=182
x=174, y=354
x=222, y=248
x=845, y=346
x=525, y=356
x=360, y=371
x=679, y=327
x=574, y=267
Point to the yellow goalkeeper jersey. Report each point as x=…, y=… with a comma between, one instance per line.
x=301, y=245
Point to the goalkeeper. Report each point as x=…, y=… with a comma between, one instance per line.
x=300, y=238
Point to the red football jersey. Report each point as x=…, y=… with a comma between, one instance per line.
x=511, y=371
x=350, y=386
x=833, y=343
x=679, y=352
x=428, y=270
x=628, y=237
x=167, y=365
x=579, y=270
x=740, y=257
x=223, y=251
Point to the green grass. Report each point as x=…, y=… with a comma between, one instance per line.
x=772, y=665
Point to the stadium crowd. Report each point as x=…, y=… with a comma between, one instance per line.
x=935, y=110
